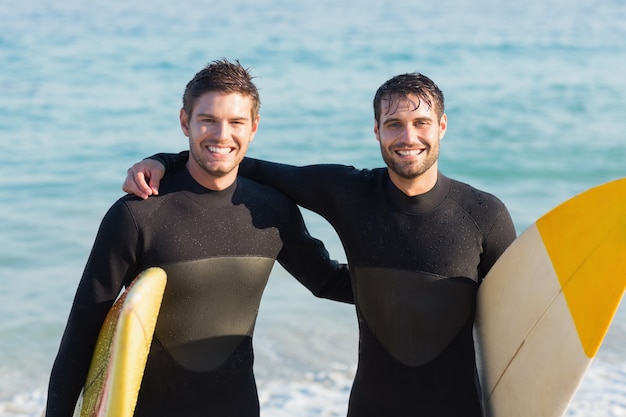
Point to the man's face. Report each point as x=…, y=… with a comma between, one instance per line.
x=219, y=130
x=409, y=137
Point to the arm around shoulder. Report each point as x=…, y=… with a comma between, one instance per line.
x=144, y=177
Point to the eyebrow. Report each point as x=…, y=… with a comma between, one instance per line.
x=391, y=119
x=215, y=117
x=397, y=119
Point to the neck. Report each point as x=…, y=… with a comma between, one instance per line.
x=212, y=182
x=415, y=186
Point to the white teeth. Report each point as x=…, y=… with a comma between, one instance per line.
x=411, y=152
x=221, y=151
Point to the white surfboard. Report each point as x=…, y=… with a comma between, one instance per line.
x=546, y=305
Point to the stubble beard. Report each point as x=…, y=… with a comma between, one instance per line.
x=410, y=170
x=206, y=165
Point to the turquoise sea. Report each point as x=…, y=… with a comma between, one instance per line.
x=536, y=103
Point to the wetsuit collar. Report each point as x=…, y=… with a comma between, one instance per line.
x=422, y=203
x=182, y=181
x=190, y=184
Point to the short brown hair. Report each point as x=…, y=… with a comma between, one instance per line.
x=404, y=85
x=224, y=76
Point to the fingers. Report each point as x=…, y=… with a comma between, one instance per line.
x=155, y=181
x=143, y=178
x=155, y=172
x=135, y=183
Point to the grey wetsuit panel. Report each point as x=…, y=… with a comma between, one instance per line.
x=405, y=310
x=217, y=312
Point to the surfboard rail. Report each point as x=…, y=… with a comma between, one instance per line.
x=122, y=349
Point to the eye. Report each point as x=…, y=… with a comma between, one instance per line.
x=393, y=125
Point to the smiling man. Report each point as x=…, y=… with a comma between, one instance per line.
x=418, y=244
x=409, y=129
x=217, y=236
x=220, y=126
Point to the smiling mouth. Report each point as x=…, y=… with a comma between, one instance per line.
x=219, y=150
x=409, y=152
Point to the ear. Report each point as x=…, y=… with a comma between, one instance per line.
x=184, y=122
x=376, y=133
x=255, y=127
x=443, y=126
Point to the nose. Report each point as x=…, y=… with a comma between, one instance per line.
x=222, y=130
x=409, y=134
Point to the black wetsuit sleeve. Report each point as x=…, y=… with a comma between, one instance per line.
x=171, y=161
x=308, y=261
x=325, y=189
x=313, y=186
x=111, y=265
x=497, y=240
x=304, y=185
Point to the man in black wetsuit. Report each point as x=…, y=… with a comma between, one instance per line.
x=418, y=244
x=217, y=236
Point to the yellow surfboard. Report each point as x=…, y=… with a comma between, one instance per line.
x=547, y=303
x=122, y=349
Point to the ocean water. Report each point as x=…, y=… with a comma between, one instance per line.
x=535, y=93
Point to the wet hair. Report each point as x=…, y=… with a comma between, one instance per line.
x=223, y=76
x=405, y=85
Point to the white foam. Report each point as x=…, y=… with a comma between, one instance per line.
x=28, y=404
x=325, y=394
x=314, y=394
x=602, y=392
